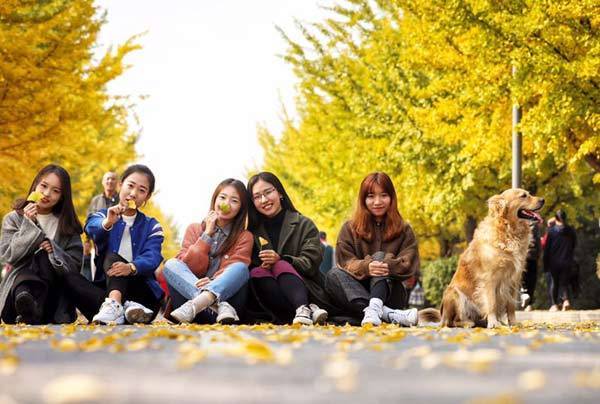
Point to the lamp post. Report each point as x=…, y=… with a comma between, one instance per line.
x=517, y=142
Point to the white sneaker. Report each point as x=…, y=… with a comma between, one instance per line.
x=303, y=315
x=137, y=313
x=111, y=313
x=407, y=318
x=184, y=313
x=371, y=317
x=319, y=316
x=525, y=299
x=226, y=314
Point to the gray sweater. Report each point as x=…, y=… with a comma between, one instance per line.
x=20, y=239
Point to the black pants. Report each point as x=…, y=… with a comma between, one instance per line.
x=280, y=297
x=530, y=279
x=46, y=286
x=353, y=295
x=559, y=287
x=88, y=296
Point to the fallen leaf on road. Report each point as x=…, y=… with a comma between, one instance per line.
x=590, y=380
x=76, y=389
x=532, y=380
x=9, y=364
x=343, y=371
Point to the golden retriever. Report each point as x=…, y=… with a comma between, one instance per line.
x=484, y=289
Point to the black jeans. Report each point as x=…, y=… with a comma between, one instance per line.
x=353, y=295
x=88, y=296
x=47, y=287
x=530, y=278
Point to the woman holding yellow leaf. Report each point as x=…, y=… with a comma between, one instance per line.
x=40, y=240
x=211, y=270
x=286, y=257
x=375, y=252
x=129, y=251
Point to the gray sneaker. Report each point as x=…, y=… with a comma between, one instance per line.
x=407, y=318
x=303, y=315
x=319, y=316
x=226, y=314
x=111, y=313
x=371, y=317
x=184, y=313
x=137, y=313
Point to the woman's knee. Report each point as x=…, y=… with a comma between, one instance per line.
x=173, y=268
x=239, y=270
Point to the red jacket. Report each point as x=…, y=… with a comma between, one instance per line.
x=194, y=251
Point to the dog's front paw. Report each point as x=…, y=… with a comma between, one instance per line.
x=492, y=322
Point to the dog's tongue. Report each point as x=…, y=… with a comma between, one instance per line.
x=537, y=216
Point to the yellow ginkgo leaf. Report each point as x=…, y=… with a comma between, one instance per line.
x=74, y=389
x=35, y=196
x=9, y=364
x=532, y=380
x=589, y=380
x=131, y=204
x=65, y=345
x=263, y=242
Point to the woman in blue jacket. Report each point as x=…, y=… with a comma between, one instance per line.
x=128, y=245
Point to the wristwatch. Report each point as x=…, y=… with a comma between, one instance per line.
x=133, y=268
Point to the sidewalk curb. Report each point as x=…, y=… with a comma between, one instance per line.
x=558, y=317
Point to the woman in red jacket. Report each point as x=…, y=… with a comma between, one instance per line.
x=211, y=270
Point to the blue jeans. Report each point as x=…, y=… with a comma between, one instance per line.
x=181, y=279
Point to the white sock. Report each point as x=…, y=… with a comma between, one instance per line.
x=203, y=300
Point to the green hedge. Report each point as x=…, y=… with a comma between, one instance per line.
x=436, y=276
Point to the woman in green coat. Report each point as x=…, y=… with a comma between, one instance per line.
x=285, y=278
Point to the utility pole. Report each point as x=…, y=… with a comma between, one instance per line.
x=517, y=142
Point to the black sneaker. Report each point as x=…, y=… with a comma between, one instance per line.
x=26, y=308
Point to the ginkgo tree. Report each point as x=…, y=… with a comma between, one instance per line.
x=424, y=90
x=54, y=105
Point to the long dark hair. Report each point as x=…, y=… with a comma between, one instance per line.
x=363, y=221
x=68, y=223
x=254, y=217
x=239, y=222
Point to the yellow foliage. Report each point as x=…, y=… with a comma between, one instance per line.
x=54, y=107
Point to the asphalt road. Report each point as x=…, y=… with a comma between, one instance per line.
x=164, y=364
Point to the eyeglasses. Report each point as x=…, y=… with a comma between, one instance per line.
x=259, y=195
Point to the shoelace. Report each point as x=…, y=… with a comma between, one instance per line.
x=305, y=312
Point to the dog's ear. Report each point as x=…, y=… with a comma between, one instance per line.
x=497, y=205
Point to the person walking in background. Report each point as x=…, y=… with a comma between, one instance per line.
x=376, y=251
x=559, y=259
x=107, y=199
x=109, y=196
x=287, y=285
x=529, y=277
x=212, y=266
x=40, y=241
x=328, y=256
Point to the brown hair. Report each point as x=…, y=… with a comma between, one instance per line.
x=363, y=222
x=239, y=221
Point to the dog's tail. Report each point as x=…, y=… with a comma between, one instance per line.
x=429, y=316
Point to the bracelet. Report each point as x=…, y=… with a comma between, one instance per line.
x=133, y=268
